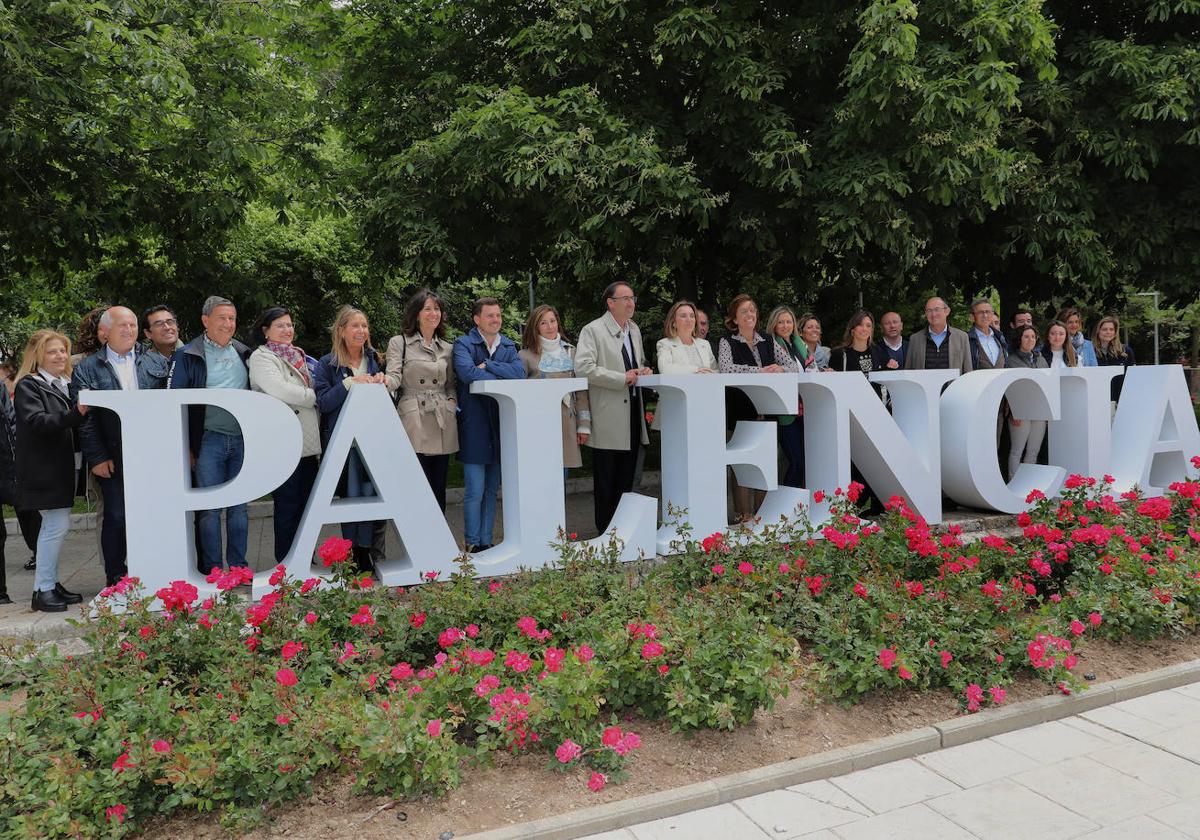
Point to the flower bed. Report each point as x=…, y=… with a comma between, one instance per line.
x=226, y=707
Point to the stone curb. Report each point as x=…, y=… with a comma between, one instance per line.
x=949, y=733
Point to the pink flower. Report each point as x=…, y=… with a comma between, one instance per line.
x=651, y=649
x=568, y=751
x=449, y=637
x=309, y=585
x=947, y=658
x=860, y=591
x=334, y=550
x=1095, y=619
x=904, y=673
x=277, y=575
x=123, y=763
x=416, y=620
x=178, y=596
x=402, y=671
x=629, y=742
x=784, y=568
x=290, y=650
x=519, y=662
x=597, y=781
x=472, y=631
x=887, y=658
x=584, y=653
x=974, y=697
x=1077, y=627
x=718, y=570
x=362, y=617
x=745, y=568
x=998, y=694
x=611, y=736
x=311, y=618
x=487, y=685
x=160, y=746
x=434, y=727
x=818, y=496
x=282, y=719
x=553, y=657
x=115, y=812
x=233, y=717
x=286, y=677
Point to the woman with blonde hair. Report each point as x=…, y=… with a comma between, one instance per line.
x=47, y=416
x=781, y=326
x=1110, y=351
x=680, y=350
x=547, y=353
x=351, y=363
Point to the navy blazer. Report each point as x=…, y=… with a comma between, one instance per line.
x=331, y=393
x=100, y=435
x=479, y=416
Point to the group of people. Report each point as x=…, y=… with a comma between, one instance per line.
x=48, y=439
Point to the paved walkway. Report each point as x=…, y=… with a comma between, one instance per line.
x=1129, y=770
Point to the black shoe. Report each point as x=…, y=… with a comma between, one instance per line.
x=4, y=599
x=362, y=560
x=30, y=564
x=48, y=601
x=67, y=595
x=479, y=548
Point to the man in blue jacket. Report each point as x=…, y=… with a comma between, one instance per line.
x=215, y=359
x=119, y=365
x=481, y=354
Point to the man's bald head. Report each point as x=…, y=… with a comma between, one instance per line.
x=122, y=329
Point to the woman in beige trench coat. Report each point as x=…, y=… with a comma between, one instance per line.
x=421, y=372
x=547, y=355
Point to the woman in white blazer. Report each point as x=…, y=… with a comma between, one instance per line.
x=280, y=369
x=680, y=351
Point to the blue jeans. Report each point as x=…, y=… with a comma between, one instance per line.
x=481, y=484
x=219, y=461
x=55, y=524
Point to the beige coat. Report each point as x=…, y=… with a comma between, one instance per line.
x=598, y=359
x=274, y=377
x=576, y=412
x=424, y=378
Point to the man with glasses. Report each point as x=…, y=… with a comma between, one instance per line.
x=988, y=351
x=162, y=331
x=610, y=355
x=938, y=346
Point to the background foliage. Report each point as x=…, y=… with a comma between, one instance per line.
x=809, y=152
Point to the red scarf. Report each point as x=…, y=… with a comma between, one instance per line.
x=292, y=355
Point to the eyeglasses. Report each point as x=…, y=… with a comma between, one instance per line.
x=934, y=309
x=630, y=298
x=165, y=322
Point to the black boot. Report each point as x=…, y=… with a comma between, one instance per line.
x=67, y=595
x=363, y=561
x=48, y=601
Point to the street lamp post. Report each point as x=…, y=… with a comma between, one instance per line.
x=1155, y=296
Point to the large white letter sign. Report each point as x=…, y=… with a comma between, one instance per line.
x=369, y=422
x=844, y=417
x=695, y=454
x=531, y=470
x=157, y=475
x=1081, y=441
x=1154, y=434
x=970, y=464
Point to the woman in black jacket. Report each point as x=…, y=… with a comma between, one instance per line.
x=47, y=417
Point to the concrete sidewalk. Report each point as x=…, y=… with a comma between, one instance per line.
x=1127, y=770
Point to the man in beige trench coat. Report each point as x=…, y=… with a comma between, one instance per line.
x=611, y=357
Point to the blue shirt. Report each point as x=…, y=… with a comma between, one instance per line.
x=938, y=338
x=125, y=366
x=225, y=370
x=989, y=344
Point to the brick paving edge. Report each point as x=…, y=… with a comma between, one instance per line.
x=961, y=730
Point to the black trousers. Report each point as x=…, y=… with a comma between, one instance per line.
x=613, y=470
x=30, y=522
x=436, y=467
